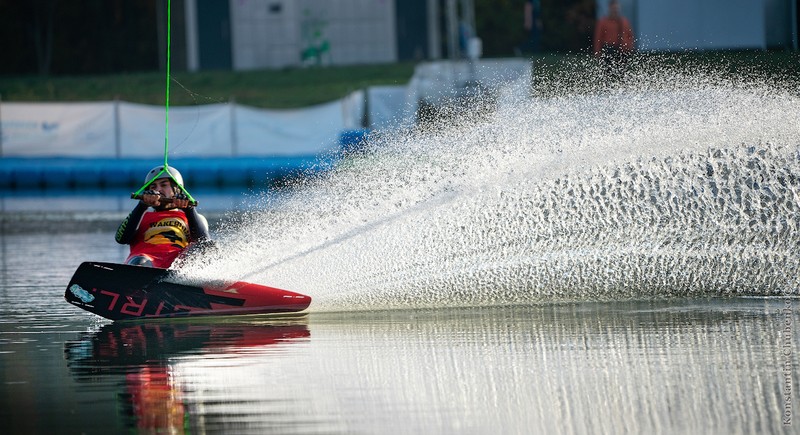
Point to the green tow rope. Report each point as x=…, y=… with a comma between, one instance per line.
x=165, y=170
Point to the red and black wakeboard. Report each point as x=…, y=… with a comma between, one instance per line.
x=123, y=292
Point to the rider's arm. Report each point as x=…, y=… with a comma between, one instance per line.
x=127, y=229
x=198, y=225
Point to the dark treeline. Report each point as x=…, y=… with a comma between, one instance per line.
x=77, y=37
x=566, y=26
x=59, y=37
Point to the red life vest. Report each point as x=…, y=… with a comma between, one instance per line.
x=162, y=236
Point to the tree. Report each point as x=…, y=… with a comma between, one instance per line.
x=567, y=25
x=78, y=36
x=43, y=12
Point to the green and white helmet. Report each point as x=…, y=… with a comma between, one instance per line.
x=157, y=170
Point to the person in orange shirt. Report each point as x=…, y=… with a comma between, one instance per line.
x=613, y=40
x=158, y=237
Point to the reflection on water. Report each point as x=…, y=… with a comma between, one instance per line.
x=117, y=345
x=151, y=394
x=708, y=366
x=152, y=401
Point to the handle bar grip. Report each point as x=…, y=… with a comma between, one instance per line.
x=164, y=200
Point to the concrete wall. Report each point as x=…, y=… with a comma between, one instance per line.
x=709, y=24
x=701, y=24
x=285, y=33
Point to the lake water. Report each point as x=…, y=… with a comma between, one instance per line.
x=611, y=261
x=697, y=365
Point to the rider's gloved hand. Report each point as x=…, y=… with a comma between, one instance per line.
x=151, y=198
x=181, y=200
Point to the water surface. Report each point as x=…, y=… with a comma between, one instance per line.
x=708, y=365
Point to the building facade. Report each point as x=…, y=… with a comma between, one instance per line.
x=711, y=24
x=274, y=34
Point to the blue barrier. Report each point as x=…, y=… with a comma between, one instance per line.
x=24, y=176
x=20, y=173
x=58, y=173
x=353, y=140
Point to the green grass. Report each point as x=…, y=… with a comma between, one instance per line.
x=270, y=89
x=292, y=88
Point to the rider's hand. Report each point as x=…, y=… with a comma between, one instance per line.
x=151, y=198
x=181, y=201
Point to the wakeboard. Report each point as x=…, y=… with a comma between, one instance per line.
x=123, y=292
